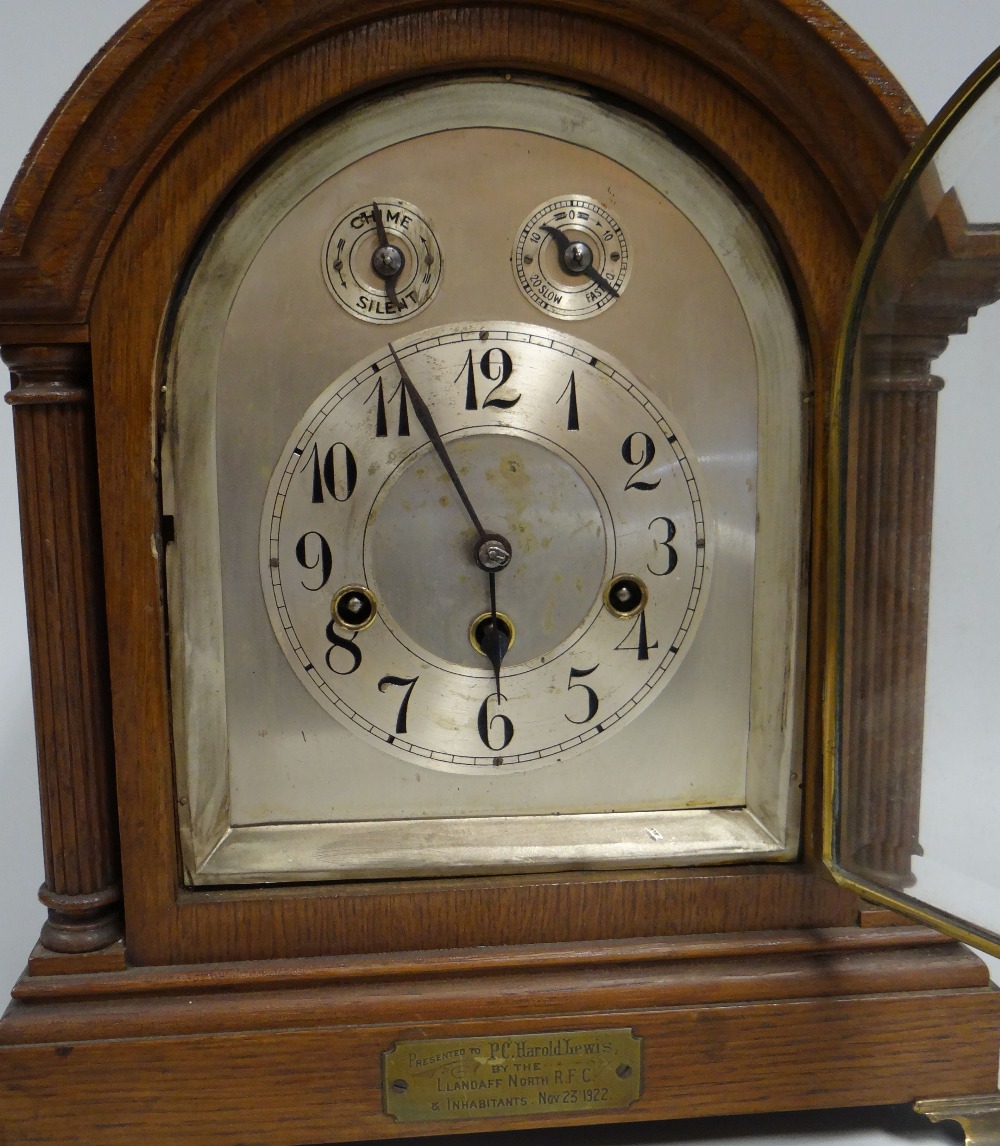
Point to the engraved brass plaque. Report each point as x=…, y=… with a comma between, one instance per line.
x=499, y=1076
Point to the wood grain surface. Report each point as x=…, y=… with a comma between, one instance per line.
x=802, y=1021
x=60, y=523
x=260, y=1015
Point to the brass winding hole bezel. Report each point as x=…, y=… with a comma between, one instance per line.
x=362, y=591
x=636, y=609
x=477, y=621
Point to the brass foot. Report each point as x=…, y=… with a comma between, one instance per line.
x=978, y=1115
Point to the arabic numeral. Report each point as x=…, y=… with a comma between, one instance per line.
x=323, y=560
x=337, y=476
x=486, y=723
x=642, y=646
x=670, y=532
x=381, y=414
x=638, y=450
x=469, y=373
x=348, y=646
x=593, y=702
x=569, y=392
x=496, y=366
x=407, y=684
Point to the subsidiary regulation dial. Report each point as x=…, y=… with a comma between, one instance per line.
x=382, y=261
x=571, y=258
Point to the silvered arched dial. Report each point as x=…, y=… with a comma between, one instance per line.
x=385, y=500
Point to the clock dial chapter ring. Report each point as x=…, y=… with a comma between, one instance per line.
x=565, y=454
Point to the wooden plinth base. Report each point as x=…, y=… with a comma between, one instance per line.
x=289, y=1052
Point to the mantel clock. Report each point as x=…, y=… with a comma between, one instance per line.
x=451, y=562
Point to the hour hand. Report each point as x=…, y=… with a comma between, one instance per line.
x=494, y=639
x=576, y=258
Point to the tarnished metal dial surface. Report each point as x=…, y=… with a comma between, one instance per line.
x=561, y=451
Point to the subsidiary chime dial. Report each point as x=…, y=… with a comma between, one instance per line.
x=484, y=546
x=382, y=261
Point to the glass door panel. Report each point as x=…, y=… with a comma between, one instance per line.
x=915, y=730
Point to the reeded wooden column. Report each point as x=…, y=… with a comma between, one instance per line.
x=896, y=426
x=935, y=271
x=60, y=524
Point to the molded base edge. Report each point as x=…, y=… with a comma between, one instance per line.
x=290, y=1053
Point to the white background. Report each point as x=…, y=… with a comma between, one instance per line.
x=931, y=45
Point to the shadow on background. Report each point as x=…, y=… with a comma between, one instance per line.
x=864, y=1126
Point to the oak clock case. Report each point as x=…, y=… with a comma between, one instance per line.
x=442, y=400
x=609, y=363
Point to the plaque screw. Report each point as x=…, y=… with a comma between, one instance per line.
x=623, y=1070
x=400, y=1086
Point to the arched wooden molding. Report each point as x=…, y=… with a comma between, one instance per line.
x=177, y=58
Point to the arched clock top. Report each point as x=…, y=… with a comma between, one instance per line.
x=178, y=62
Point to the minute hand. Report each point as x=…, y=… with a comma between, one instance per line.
x=564, y=242
x=426, y=420
x=492, y=551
